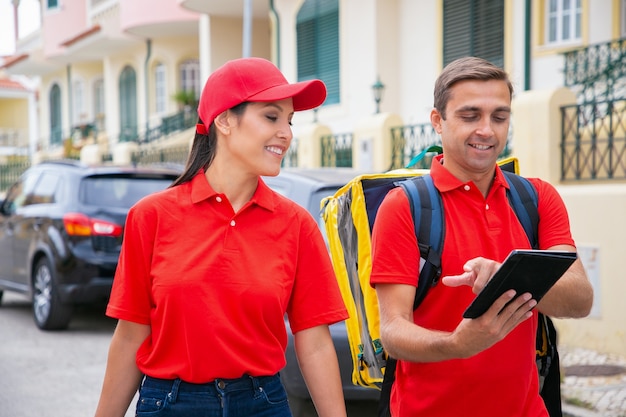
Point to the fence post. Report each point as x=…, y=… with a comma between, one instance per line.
x=310, y=145
x=123, y=153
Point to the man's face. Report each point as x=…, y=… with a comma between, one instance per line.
x=476, y=126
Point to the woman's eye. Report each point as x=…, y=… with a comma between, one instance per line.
x=272, y=118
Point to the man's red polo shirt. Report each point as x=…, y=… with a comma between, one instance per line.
x=215, y=285
x=502, y=380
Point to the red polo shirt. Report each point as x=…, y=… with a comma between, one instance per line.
x=215, y=285
x=502, y=380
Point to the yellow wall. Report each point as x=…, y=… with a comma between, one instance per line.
x=14, y=113
x=596, y=211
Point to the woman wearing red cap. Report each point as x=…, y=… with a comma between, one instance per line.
x=210, y=266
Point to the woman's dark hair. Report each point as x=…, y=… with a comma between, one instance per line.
x=203, y=149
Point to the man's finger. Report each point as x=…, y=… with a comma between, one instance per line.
x=466, y=278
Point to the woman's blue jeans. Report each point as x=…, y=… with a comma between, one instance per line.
x=242, y=397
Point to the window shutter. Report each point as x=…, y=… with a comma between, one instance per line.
x=473, y=28
x=318, y=44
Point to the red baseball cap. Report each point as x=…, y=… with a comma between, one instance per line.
x=254, y=79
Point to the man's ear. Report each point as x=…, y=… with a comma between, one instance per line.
x=222, y=122
x=435, y=120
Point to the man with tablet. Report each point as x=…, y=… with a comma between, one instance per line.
x=483, y=364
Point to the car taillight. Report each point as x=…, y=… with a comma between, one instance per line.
x=77, y=224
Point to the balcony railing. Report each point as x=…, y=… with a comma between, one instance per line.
x=176, y=122
x=13, y=141
x=597, y=72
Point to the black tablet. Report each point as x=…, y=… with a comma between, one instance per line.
x=533, y=271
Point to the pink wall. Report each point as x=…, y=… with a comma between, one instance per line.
x=146, y=12
x=62, y=24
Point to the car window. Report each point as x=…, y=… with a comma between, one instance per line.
x=45, y=189
x=119, y=191
x=20, y=193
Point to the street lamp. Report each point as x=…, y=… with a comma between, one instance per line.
x=378, y=88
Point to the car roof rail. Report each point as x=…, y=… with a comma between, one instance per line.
x=67, y=162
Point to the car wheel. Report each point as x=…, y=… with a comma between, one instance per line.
x=48, y=311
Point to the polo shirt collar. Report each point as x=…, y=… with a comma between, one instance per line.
x=445, y=181
x=201, y=190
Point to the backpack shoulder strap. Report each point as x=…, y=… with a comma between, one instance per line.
x=427, y=211
x=523, y=198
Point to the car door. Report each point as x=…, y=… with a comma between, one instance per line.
x=6, y=232
x=31, y=223
x=17, y=198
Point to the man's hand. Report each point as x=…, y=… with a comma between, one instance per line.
x=475, y=335
x=478, y=272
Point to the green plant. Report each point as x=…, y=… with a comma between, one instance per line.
x=185, y=97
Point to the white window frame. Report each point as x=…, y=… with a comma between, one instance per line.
x=160, y=88
x=190, y=76
x=78, y=103
x=99, y=109
x=563, y=21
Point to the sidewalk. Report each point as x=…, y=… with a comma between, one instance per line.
x=594, y=384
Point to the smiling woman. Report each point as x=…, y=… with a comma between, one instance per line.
x=214, y=264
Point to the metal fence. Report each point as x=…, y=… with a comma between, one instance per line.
x=593, y=146
x=11, y=171
x=174, y=155
x=291, y=157
x=597, y=72
x=337, y=150
x=408, y=141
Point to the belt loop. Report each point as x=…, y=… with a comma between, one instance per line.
x=255, y=383
x=173, y=394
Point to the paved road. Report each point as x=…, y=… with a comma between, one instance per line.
x=59, y=374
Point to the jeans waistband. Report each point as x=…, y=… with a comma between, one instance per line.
x=220, y=384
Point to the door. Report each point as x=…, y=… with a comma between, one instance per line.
x=128, y=105
x=18, y=197
x=56, y=132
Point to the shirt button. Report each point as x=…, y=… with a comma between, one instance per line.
x=232, y=223
x=486, y=206
x=218, y=199
x=466, y=187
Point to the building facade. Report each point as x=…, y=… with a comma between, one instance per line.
x=119, y=72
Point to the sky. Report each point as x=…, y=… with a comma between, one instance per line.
x=28, y=22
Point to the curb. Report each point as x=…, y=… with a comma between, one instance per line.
x=573, y=411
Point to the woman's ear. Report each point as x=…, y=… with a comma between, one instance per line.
x=222, y=123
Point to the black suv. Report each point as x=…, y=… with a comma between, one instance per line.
x=61, y=228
